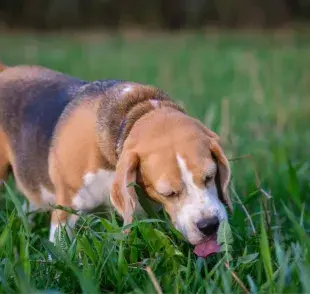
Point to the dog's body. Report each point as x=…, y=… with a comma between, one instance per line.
x=78, y=144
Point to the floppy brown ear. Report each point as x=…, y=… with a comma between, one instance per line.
x=223, y=174
x=124, y=198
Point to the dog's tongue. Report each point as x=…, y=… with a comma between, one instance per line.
x=207, y=248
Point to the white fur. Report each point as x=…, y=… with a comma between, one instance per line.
x=29, y=207
x=198, y=205
x=69, y=225
x=155, y=103
x=96, y=190
x=127, y=89
x=47, y=197
x=53, y=229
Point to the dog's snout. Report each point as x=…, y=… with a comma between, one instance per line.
x=208, y=226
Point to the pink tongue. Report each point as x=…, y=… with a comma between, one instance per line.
x=207, y=248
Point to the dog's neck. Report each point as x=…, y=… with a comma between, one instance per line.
x=133, y=115
x=119, y=111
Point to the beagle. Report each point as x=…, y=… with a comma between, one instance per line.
x=79, y=144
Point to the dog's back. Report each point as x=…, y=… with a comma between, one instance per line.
x=32, y=99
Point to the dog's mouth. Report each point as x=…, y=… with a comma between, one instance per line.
x=207, y=248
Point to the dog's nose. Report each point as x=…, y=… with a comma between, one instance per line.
x=208, y=226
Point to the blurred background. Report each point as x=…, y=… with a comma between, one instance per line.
x=162, y=14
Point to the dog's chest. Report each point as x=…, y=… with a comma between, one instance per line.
x=96, y=190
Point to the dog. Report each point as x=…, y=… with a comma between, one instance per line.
x=79, y=144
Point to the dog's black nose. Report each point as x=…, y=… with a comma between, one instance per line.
x=208, y=226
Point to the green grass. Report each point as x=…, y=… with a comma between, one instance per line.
x=253, y=91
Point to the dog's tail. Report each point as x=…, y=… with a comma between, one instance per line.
x=2, y=67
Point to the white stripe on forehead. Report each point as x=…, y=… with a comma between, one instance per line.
x=186, y=175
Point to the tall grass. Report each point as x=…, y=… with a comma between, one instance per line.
x=254, y=91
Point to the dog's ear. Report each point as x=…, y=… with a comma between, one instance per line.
x=223, y=172
x=124, y=198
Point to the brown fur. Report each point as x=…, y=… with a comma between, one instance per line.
x=4, y=156
x=185, y=136
x=17, y=88
x=98, y=134
x=77, y=130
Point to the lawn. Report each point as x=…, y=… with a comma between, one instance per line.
x=253, y=90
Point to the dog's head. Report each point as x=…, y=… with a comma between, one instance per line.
x=181, y=165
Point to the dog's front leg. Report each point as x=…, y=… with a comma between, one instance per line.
x=61, y=217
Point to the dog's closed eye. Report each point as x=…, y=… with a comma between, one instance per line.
x=208, y=179
x=170, y=194
x=210, y=174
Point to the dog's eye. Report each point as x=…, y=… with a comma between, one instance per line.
x=208, y=179
x=170, y=194
x=167, y=194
